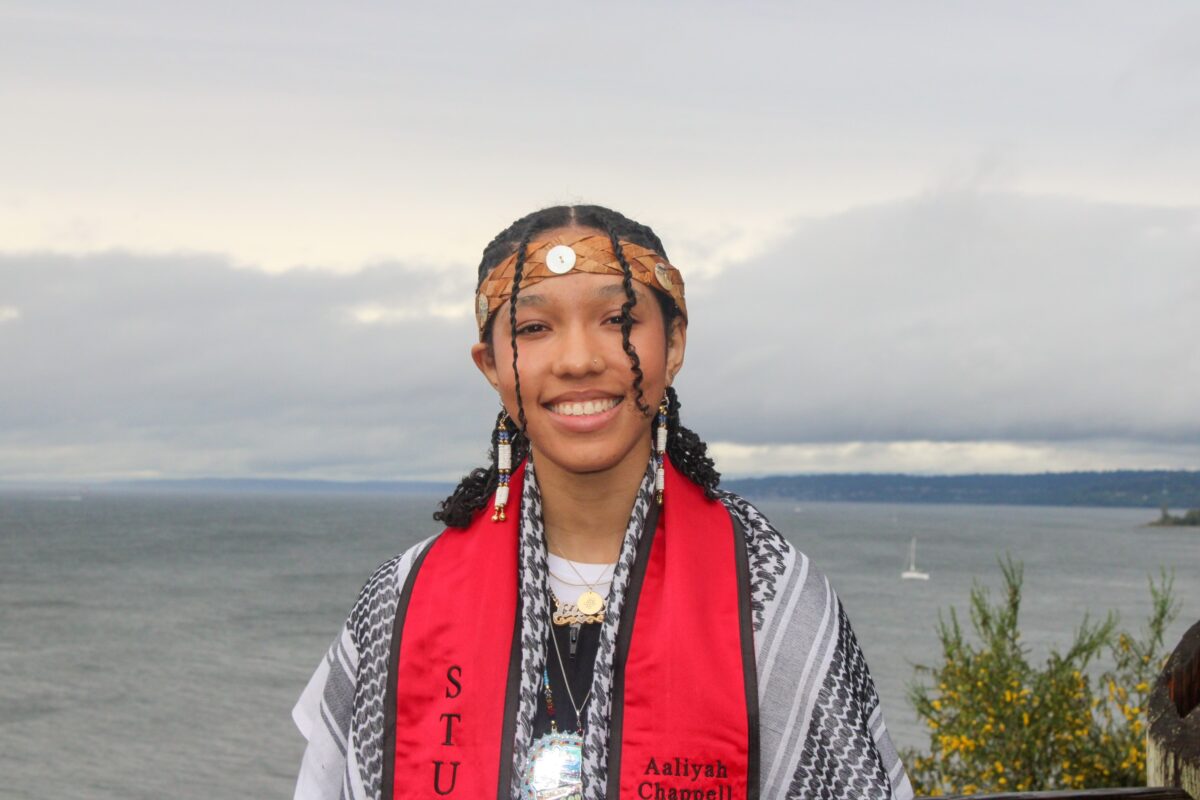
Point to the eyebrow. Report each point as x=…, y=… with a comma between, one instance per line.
x=612, y=290
x=530, y=300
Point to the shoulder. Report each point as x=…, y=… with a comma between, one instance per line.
x=371, y=617
x=776, y=567
x=787, y=589
x=761, y=536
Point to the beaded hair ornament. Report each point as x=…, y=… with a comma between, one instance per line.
x=576, y=251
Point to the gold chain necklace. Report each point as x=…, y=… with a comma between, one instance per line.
x=599, y=581
x=590, y=602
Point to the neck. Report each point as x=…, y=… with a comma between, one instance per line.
x=585, y=515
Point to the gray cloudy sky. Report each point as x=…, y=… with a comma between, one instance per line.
x=238, y=239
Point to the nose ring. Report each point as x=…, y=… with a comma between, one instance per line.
x=596, y=363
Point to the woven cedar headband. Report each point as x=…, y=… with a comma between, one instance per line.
x=576, y=252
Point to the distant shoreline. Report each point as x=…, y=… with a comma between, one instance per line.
x=1189, y=519
x=1114, y=489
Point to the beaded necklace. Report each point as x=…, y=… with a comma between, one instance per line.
x=555, y=764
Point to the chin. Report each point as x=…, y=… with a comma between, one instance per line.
x=579, y=461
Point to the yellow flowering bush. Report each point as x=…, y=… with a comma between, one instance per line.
x=998, y=722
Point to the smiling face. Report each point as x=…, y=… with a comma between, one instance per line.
x=576, y=379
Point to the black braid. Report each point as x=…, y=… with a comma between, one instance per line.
x=686, y=450
x=473, y=492
x=512, y=323
x=635, y=362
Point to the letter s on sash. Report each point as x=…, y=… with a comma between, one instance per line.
x=452, y=675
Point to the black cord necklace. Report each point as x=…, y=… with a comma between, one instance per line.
x=554, y=767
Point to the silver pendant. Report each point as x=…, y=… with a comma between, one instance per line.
x=554, y=768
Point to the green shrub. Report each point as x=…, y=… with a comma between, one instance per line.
x=1000, y=723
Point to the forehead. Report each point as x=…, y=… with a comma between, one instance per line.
x=578, y=290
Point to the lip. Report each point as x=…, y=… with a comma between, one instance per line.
x=582, y=395
x=584, y=423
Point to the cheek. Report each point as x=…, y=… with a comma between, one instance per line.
x=529, y=366
x=503, y=356
x=652, y=353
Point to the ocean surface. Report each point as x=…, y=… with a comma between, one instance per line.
x=152, y=645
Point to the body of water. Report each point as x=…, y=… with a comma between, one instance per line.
x=153, y=645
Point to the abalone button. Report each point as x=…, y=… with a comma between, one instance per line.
x=481, y=309
x=664, y=276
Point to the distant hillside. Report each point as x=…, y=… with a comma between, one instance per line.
x=1130, y=488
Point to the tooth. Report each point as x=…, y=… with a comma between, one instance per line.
x=586, y=407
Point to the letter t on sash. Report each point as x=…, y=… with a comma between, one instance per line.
x=450, y=718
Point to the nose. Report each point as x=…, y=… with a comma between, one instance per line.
x=578, y=355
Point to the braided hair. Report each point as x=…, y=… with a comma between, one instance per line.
x=687, y=451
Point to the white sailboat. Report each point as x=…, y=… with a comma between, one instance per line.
x=912, y=573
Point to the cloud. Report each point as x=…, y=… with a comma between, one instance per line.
x=123, y=364
x=318, y=142
x=379, y=314
x=956, y=316
x=940, y=458
x=954, y=331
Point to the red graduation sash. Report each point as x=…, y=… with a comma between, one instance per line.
x=684, y=720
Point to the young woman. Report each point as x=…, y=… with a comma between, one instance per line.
x=598, y=620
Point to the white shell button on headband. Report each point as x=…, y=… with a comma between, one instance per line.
x=560, y=259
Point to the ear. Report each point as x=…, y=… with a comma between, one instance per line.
x=676, y=345
x=485, y=360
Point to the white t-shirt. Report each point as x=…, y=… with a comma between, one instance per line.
x=563, y=577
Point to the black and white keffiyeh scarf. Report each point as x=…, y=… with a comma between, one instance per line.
x=821, y=729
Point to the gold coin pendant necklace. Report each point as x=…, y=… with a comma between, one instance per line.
x=591, y=601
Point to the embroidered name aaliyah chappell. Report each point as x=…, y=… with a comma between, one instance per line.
x=715, y=778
